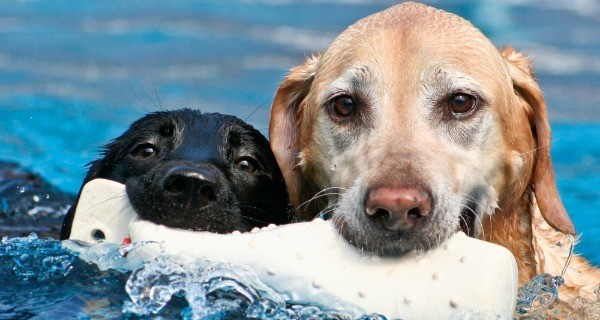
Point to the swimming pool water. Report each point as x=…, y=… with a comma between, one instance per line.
x=73, y=75
x=45, y=278
x=576, y=156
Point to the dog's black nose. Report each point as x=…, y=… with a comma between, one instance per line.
x=196, y=186
x=398, y=209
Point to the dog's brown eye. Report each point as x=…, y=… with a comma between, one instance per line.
x=344, y=106
x=144, y=151
x=461, y=103
x=246, y=165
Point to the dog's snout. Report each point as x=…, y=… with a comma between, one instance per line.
x=398, y=209
x=191, y=183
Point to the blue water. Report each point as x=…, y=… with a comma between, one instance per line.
x=74, y=74
x=47, y=281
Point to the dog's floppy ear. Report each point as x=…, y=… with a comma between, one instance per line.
x=527, y=89
x=286, y=114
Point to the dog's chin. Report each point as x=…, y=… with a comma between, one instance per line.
x=371, y=239
x=369, y=236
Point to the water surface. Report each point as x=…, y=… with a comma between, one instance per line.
x=73, y=75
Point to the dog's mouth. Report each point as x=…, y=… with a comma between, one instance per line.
x=185, y=196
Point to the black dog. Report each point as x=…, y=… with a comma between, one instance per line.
x=189, y=170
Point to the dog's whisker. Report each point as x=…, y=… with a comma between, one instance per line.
x=476, y=216
x=157, y=106
x=256, y=109
x=320, y=194
x=546, y=145
x=478, y=219
x=254, y=219
x=141, y=104
x=107, y=200
x=160, y=107
x=123, y=209
x=316, y=198
x=327, y=209
x=473, y=200
x=330, y=188
x=293, y=168
x=466, y=223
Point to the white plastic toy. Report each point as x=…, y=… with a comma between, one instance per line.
x=312, y=263
x=103, y=213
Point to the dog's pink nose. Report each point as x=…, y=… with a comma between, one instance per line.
x=398, y=209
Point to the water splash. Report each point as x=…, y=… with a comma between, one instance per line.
x=538, y=299
x=45, y=276
x=152, y=286
x=214, y=291
x=40, y=277
x=106, y=255
x=31, y=258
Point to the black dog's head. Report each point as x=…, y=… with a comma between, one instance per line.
x=189, y=170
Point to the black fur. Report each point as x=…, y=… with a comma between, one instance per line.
x=190, y=170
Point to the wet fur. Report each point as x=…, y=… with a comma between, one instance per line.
x=399, y=64
x=199, y=141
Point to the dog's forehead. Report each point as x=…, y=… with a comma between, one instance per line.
x=411, y=37
x=196, y=123
x=410, y=44
x=424, y=17
x=202, y=130
x=218, y=130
